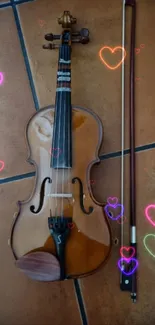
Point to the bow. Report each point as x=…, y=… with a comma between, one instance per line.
x=129, y=282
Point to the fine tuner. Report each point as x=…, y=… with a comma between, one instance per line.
x=76, y=37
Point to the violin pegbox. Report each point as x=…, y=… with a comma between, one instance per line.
x=67, y=20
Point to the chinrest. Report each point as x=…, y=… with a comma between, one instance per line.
x=41, y=266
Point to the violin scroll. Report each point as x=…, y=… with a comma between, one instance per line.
x=66, y=20
x=67, y=36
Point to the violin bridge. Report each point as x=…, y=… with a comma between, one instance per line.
x=69, y=195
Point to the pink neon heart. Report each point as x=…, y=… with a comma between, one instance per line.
x=122, y=220
x=112, y=201
x=70, y=225
x=124, y=248
x=137, y=51
x=142, y=46
x=147, y=214
x=56, y=152
x=41, y=22
x=92, y=181
x=1, y=165
x=1, y=78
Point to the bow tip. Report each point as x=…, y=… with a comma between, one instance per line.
x=130, y=2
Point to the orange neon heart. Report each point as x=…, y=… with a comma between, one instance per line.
x=112, y=51
x=41, y=22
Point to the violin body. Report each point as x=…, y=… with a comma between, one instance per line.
x=88, y=245
x=61, y=232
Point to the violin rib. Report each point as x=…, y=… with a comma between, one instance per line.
x=61, y=231
x=87, y=249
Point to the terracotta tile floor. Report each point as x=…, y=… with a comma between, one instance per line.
x=29, y=84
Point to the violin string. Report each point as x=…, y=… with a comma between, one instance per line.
x=66, y=114
x=69, y=111
x=52, y=171
x=59, y=125
x=123, y=120
x=61, y=143
x=64, y=133
x=69, y=170
x=63, y=113
x=69, y=129
x=51, y=184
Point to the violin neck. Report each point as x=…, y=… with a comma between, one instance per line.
x=62, y=134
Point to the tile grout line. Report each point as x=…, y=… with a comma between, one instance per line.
x=78, y=292
x=127, y=151
x=103, y=157
x=16, y=178
x=18, y=2
x=80, y=301
x=25, y=55
x=10, y=3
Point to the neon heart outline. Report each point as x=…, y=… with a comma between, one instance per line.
x=1, y=78
x=147, y=215
x=70, y=225
x=127, y=261
x=112, y=50
x=41, y=21
x=127, y=249
x=112, y=198
x=120, y=215
x=144, y=242
x=92, y=181
x=120, y=223
x=1, y=162
x=138, y=50
x=57, y=153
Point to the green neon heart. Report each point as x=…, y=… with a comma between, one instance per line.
x=144, y=241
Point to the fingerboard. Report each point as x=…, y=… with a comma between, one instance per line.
x=61, y=152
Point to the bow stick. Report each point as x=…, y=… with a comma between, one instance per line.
x=129, y=282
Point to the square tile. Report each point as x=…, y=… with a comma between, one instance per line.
x=16, y=100
x=24, y=301
x=109, y=305
x=4, y=1
x=93, y=84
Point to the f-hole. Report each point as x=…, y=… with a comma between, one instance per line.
x=42, y=193
x=81, y=196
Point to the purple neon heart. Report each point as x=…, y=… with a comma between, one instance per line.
x=127, y=261
x=114, y=207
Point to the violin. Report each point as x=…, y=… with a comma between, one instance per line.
x=61, y=232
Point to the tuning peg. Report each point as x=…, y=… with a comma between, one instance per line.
x=76, y=34
x=50, y=46
x=51, y=37
x=84, y=33
x=82, y=36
